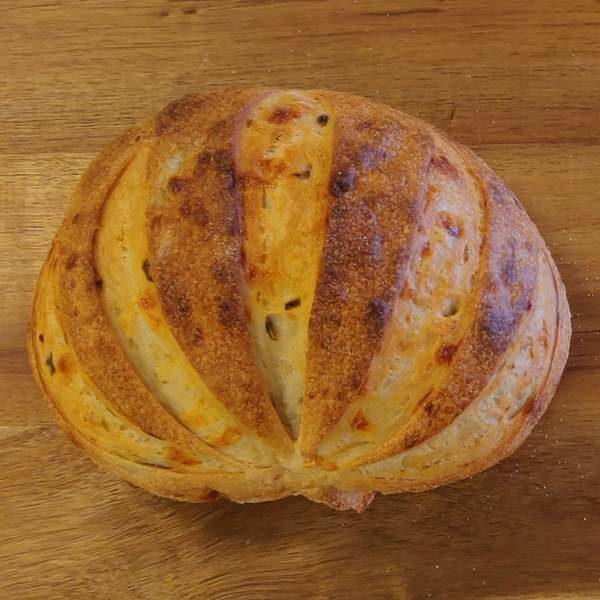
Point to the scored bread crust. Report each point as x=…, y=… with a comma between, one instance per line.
x=262, y=293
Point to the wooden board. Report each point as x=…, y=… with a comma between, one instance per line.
x=517, y=80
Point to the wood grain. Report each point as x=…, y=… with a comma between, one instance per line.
x=518, y=81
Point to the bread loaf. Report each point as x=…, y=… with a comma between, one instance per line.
x=262, y=293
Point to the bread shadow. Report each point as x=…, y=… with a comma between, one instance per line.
x=520, y=529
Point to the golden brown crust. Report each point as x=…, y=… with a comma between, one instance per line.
x=376, y=191
x=328, y=269
x=503, y=290
x=80, y=304
x=195, y=234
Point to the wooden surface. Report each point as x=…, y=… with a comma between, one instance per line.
x=517, y=80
